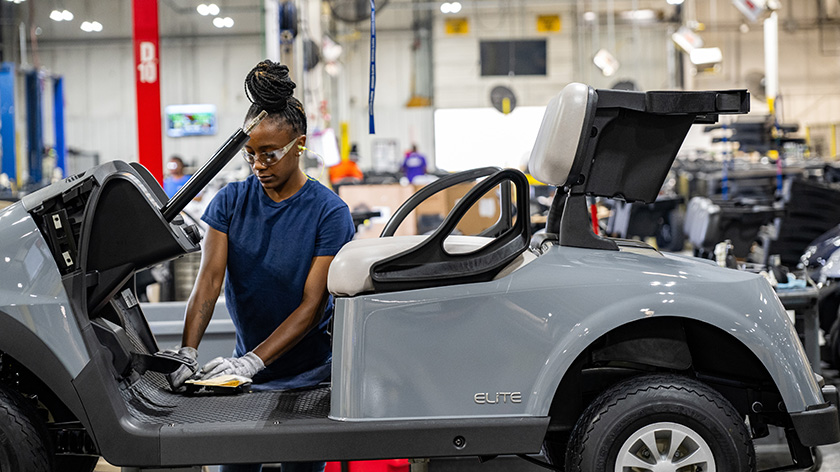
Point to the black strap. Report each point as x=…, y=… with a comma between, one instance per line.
x=164, y=362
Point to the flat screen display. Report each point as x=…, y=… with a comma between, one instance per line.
x=522, y=57
x=190, y=120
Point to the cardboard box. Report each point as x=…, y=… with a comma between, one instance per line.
x=481, y=216
x=427, y=216
x=383, y=198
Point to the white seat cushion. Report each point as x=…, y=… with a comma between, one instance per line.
x=349, y=272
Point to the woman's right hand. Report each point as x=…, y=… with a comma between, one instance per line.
x=188, y=370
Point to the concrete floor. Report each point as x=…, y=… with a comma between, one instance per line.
x=768, y=456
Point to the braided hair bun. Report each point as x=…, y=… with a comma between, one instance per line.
x=269, y=87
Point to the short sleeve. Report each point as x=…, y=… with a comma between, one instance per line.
x=220, y=209
x=334, y=231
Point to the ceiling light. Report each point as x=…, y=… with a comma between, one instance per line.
x=203, y=10
x=705, y=56
x=453, y=7
x=639, y=15
x=91, y=26
x=213, y=9
x=606, y=62
x=66, y=15
x=226, y=22
x=675, y=2
x=590, y=16
x=686, y=39
x=55, y=15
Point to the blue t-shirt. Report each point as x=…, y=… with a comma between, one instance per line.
x=171, y=185
x=270, y=251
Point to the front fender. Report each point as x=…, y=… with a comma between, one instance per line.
x=37, y=323
x=24, y=346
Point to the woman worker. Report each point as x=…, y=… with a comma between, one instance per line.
x=275, y=234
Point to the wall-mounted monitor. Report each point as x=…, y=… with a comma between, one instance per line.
x=520, y=57
x=190, y=120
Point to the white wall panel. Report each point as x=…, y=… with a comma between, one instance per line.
x=392, y=119
x=206, y=71
x=100, y=94
x=458, y=80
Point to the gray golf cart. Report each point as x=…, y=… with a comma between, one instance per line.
x=605, y=354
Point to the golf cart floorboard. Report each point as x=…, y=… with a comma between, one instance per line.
x=150, y=402
x=293, y=425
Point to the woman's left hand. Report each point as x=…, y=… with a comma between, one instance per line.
x=245, y=366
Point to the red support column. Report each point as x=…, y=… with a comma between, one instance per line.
x=147, y=83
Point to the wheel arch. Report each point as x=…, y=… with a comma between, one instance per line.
x=36, y=369
x=690, y=337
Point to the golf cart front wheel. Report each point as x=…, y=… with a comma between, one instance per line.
x=660, y=423
x=24, y=446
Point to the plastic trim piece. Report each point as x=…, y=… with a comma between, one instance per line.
x=325, y=439
x=817, y=427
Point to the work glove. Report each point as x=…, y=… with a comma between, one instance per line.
x=245, y=366
x=177, y=378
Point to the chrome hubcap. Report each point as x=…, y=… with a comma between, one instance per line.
x=665, y=447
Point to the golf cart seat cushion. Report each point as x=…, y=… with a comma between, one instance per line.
x=559, y=137
x=349, y=273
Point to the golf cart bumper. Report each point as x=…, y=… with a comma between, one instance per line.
x=819, y=424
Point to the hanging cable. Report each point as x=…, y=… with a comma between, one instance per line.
x=724, y=180
x=372, y=91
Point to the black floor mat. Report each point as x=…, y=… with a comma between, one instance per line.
x=149, y=399
x=150, y=402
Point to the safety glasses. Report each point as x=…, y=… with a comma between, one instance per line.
x=269, y=158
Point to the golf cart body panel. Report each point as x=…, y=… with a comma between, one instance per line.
x=142, y=423
x=31, y=291
x=501, y=348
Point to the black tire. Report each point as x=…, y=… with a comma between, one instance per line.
x=833, y=344
x=818, y=460
x=554, y=448
x=24, y=446
x=654, y=405
x=828, y=309
x=68, y=463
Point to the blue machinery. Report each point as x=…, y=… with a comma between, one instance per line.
x=34, y=124
x=7, y=119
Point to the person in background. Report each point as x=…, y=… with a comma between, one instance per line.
x=272, y=237
x=414, y=164
x=347, y=171
x=175, y=177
